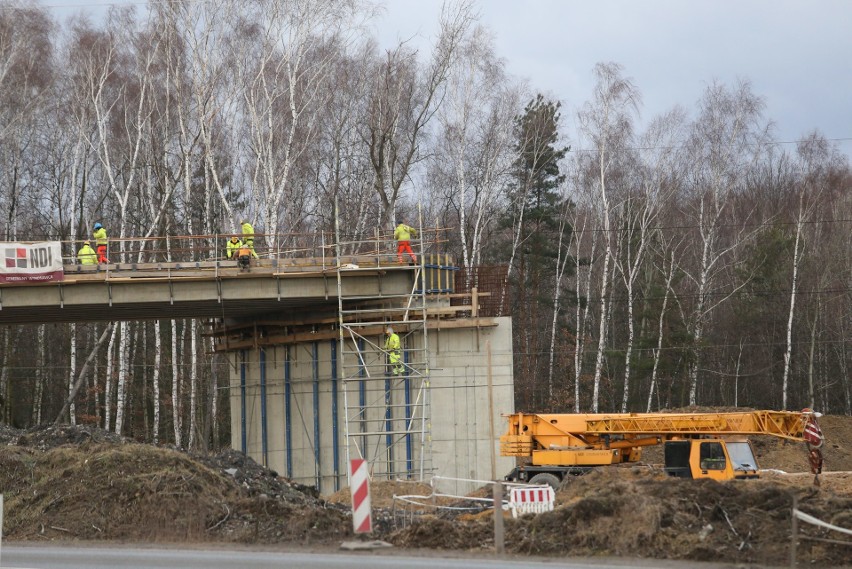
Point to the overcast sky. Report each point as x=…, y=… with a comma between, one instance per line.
x=797, y=54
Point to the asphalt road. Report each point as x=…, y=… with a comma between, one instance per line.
x=79, y=557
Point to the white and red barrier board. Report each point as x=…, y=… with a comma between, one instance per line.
x=31, y=262
x=531, y=500
x=362, y=514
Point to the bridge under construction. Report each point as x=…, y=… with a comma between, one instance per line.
x=303, y=330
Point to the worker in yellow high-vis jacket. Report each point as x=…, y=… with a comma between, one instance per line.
x=392, y=347
x=403, y=234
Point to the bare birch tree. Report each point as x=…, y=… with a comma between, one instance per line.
x=726, y=138
x=813, y=154
x=639, y=211
x=667, y=268
x=286, y=73
x=403, y=103
x=341, y=170
x=473, y=157
x=582, y=252
x=25, y=84
x=607, y=123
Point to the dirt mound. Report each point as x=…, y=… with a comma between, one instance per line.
x=119, y=490
x=639, y=513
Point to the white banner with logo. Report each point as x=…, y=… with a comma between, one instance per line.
x=31, y=262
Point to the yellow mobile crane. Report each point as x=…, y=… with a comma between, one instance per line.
x=697, y=445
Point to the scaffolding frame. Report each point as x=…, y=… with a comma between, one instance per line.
x=387, y=418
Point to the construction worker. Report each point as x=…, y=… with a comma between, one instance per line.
x=403, y=234
x=244, y=257
x=100, y=236
x=392, y=347
x=86, y=255
x=233, y=246
x=248, y=237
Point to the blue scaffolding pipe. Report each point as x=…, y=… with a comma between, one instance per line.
x=407, y=386
x=288, y=423
x=335, y=437
x=315, y=368
x=243, y=445
x=388, y=421
x=263, y=431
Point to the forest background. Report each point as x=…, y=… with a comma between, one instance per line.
x=685, y=259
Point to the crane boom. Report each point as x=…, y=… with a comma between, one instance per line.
x=784, y=424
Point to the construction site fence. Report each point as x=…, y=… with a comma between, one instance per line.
x=320, y=246
x=796, y=536
x=477, y=497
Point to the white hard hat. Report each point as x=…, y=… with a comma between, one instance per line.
x=390, y=328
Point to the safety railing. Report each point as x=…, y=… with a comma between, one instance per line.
x=375, y=250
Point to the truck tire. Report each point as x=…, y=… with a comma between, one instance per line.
x=546, y=478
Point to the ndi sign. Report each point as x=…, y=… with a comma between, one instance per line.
x=31, y=262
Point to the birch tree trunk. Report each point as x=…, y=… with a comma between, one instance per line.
x=214, y=395
x=583, y=290
x=4, y=374
x=176, y=391
x=669, y=271
x=793, y=291
x=155, y=382
x=812, y=350
x=72, y=365
x=108, y=381
x=563, y=256
x=193, y=384
x=123, y=357
x=38, y=391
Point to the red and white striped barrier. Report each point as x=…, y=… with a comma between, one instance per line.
x=534, y=500
x=362, y=514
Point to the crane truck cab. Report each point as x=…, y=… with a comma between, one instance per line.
x=718, y=459
x=551, y=447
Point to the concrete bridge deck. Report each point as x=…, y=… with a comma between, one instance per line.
x=203, y=289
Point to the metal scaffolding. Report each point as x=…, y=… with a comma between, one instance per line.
x=387, y=417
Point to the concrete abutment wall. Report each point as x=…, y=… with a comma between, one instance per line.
x=288, y=407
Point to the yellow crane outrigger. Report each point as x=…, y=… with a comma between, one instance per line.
x=697, y=445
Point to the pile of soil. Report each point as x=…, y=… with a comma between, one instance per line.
x=81, y=483
x=639, y=513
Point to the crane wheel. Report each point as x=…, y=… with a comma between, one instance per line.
x=546, y=478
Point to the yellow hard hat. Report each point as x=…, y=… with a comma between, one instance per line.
x=235, y=238
x=87, y=242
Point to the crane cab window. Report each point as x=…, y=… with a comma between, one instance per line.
x=742, y=457
x=712, y=456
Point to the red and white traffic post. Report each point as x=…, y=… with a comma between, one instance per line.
x=362, y=514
